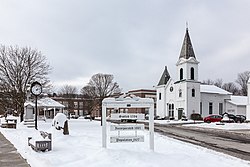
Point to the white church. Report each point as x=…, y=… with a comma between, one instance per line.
x=186, y=95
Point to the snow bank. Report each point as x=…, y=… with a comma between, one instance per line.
x=83, y=148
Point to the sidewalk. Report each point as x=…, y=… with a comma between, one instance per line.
x=9, y=157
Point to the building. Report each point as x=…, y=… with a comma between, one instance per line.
x=144, y=93
x=186, y=95
x=77, y=106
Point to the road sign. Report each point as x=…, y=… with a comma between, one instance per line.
x=126, y=139
x=130, y=116
x=127, y=127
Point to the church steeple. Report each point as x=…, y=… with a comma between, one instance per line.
x=187, y=50
x=165, y=77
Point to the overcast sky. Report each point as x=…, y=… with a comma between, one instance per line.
x=131, y=39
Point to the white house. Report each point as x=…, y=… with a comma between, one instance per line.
x=186, y=95
x=48, y=106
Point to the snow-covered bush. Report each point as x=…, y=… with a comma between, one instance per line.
x=59, y=121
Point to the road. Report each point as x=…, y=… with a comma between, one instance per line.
x=234, y=143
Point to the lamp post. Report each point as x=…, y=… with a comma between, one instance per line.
x=36, y=89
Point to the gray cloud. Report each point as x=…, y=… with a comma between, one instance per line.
x=133, y=40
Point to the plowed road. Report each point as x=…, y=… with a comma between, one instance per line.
x=234, y=143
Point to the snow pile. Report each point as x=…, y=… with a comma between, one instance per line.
x=83, y=147
x=59, y=120
x=225, y=126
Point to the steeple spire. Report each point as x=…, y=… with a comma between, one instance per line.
x=187, y=50
x=165, y=77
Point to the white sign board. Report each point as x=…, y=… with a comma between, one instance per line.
x=125, y=139
x=119, y=116
x=126, y=127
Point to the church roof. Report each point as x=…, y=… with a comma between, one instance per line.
x=164, y=78
x=239, y=100
x=187, y=50
x=213, y=89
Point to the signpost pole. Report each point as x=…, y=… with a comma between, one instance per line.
x=104, y=128
x=36, y=113
x=151, y=127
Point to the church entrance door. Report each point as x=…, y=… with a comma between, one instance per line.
x=180, y=111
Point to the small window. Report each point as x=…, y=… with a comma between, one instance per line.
x=193, y=92
x=192, y=73
x=181, y=74
x=159, y=96
x=180, y=93
x=210, y=108
x=220, y=108
x=201, y=108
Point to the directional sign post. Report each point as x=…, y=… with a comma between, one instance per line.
x=127, y=102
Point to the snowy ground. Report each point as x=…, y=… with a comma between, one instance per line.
x=83, y=148
x=225, y=126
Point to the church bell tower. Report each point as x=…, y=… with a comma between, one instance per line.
x=187, y=84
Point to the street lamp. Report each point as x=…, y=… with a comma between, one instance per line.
x=36, y=89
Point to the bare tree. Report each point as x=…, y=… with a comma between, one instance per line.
x=68, y=91
x=19, y=67
x=231, y=87
x=242, y=80
x=99, y=87
x=218, y=83
x=208, y=82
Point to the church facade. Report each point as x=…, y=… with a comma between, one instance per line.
x=186, y=95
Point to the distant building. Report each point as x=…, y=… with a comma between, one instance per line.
x=77, y=106
x=144, y=93
x=186, y=95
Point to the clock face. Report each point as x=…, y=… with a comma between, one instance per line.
x=36, y=89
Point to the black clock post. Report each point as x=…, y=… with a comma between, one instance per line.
x=36, y=89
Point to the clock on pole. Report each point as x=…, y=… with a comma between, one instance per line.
x=36, y=89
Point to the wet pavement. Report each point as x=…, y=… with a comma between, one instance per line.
x=9, y=157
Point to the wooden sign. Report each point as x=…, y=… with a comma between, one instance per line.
x=126, y=127
x=126, y=139
x=130, y=116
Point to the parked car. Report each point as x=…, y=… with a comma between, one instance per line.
x=235, y=118
x=196, y=116
x=213, y=118
x=241, y=118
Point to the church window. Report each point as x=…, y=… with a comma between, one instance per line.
x=210, y=108
x=181, y=74
x=180, y=93
x=220, y=108
x=193, y=92
x=159, y=96
x=192, y=73
x=172, y=110
x=201, y=108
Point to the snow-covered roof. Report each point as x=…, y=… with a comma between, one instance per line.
x=46, y=102
x=239, y=100
x=213, y=89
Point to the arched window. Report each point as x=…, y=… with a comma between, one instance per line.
x=172, y=110
x=192, y=73
x=193, y=92
x=181, y=74
x=180, y=93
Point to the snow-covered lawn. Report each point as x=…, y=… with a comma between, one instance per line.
x=83, y=148
x=225, y=126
